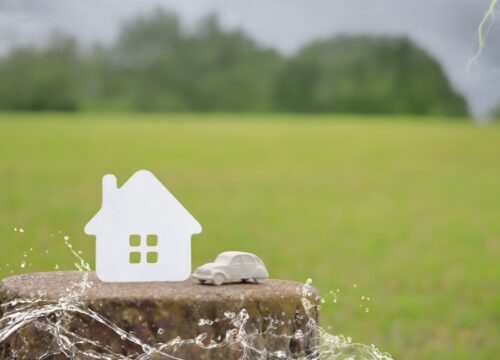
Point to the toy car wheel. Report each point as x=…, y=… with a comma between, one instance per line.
x=259, y=281
x=218, y=279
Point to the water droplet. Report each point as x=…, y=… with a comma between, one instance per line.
x=21, y=230
x=280, y=354
x=23, y=264
x=229, y=314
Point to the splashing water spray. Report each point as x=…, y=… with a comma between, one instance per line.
x=483, y=30
x=54, y=318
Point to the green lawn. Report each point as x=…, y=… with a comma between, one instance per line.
x=405, y=212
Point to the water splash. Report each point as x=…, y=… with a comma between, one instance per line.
x=54, y=318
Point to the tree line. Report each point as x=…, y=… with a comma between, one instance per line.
x=156, y=64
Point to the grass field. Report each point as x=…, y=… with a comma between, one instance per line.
x=403, y=211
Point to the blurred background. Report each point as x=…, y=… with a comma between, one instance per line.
x=351, y=142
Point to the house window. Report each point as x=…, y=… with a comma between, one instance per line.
x=152, y=257
x=152, y=240
x=135, y=257
x=143, y=249
x=135, y=240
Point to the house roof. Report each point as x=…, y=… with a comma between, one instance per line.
x=144, y=203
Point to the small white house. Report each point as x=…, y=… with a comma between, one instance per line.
x=143, y=233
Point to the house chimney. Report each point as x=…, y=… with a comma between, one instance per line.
x=108, y=188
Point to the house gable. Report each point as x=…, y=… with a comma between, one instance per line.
x=144, y=203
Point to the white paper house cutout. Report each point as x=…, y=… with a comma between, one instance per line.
x=143, y=232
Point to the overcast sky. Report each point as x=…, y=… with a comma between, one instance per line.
x=445, y=28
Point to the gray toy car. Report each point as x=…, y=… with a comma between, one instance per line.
x=232, y=266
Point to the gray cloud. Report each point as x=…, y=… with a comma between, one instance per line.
x=445, y=28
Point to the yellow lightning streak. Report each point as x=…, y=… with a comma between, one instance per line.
x=483, y=29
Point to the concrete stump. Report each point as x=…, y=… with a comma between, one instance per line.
x=61, y=315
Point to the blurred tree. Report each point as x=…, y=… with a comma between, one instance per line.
x=367, y=75
x=34, y=79
x=157, y=64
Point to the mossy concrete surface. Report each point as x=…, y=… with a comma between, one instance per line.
x=157, y=313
